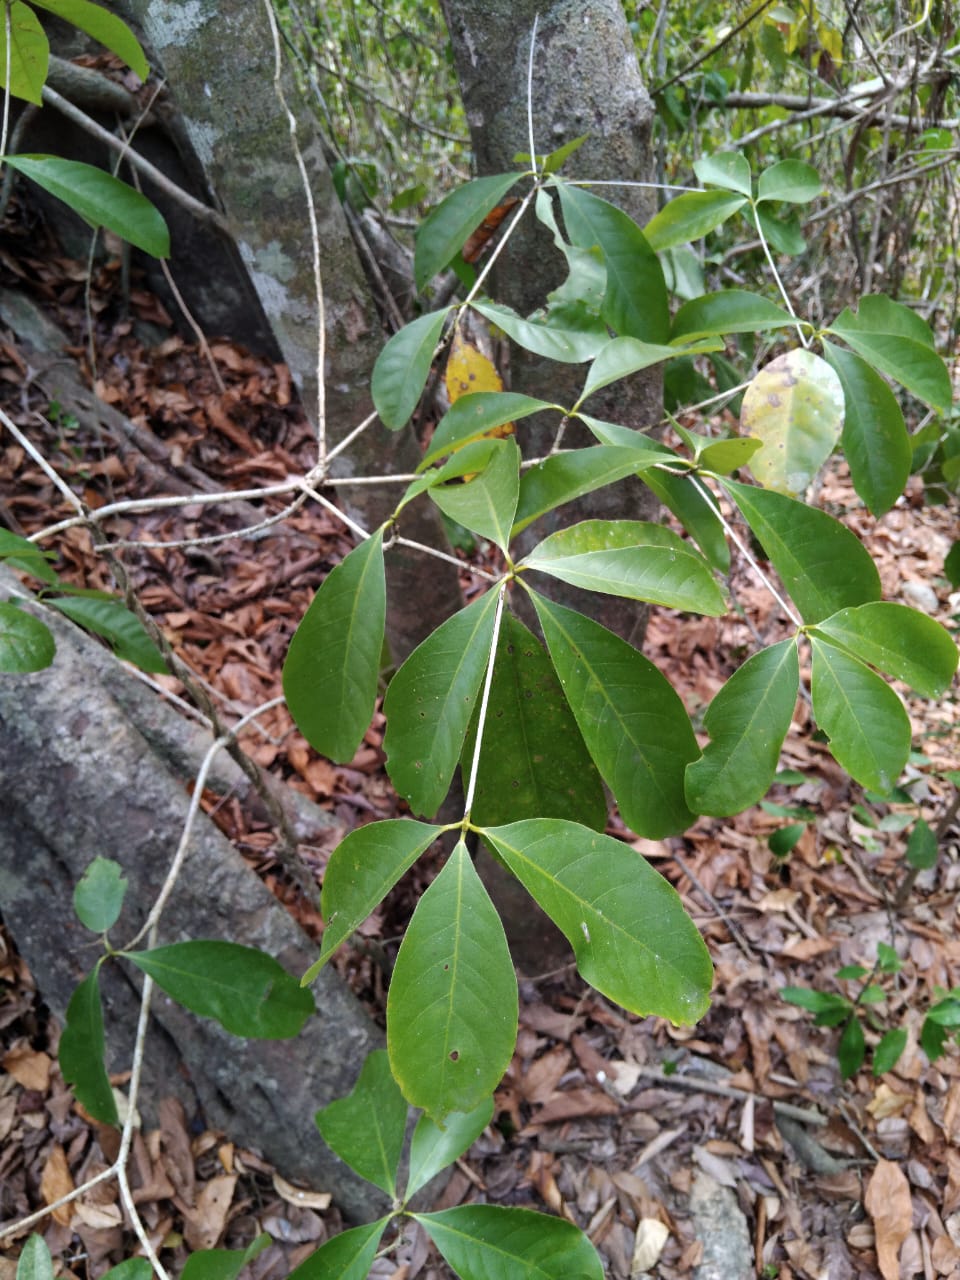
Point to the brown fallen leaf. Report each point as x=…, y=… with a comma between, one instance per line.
x=28, y=1068
x=55, y=1182
x=888, y=1203
x=205, y=1223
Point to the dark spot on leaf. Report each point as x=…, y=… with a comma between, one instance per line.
x=454, y=1055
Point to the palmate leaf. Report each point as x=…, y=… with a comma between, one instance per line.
x=452, y=1005
x=533, y=761
x=895, y=340
x=487, y=502
x=633, y=721
x=348, y=1256
x=821, y=563
x=447, y=227
x=331, y=673
x=402, y=368
x=491, y=1242
x=635, y=302
x=632, y=938
x=366, y=1128
x=868, y=728
x=633, y=559
x=747, y=722
x=81, y=1051
x=243, y=989
x=430, y=701
x=899, y=641
x=433, y=1148
x=875, y=439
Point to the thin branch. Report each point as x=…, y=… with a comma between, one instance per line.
x=484, y=703
x=692, y=66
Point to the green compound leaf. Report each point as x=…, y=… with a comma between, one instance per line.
x=632, y=938
x=794, y=406
x=26, y=644
x=29, y=54
x=747, y=722
x=348, y=1256
x=821, y=563
x=81, y=1051
x=333, y=664
x=868, y=728
x=433, y=1148
x=487, y=502
x=729, y=311
x=561, y=477
x=896, y=341
x=243, y=989
x=728, y=169
x=98, y=897
x=35, y=1262
x=430, y=701
x=473, y=415
x=204, y=1264
x=899, y=641
x=533, y=761
x=633, y=559
x=561, y=342
x=104, y=27
x=362, y=870
x=690, y=216
x=122, y=630
x=621, y=357
x=790, y=180
x=631, y=718
x=452, y=1006
x=100, y=199
x=450, y=224
x=366, y=1128
x=402, y=368
x=635, y=302
x=490, y=1242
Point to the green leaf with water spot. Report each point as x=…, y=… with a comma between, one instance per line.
x=794, y=407
x=631, y=718
x=487, y=502
x=81, y=1051
x=26, y=644
x=402, y=368
x=691, y=216
x=430, y=701
x=492, y=1242
x=632, y=938
x=865, y=721
x=747, y=722
x=433, y=1148
x=633, y=559
x=561, y=477
x=331, y=673
x=366, y=1128
x=899, y=641
x=822, y=564
x=895, y=340
x=447, y=227
x=452, y=1004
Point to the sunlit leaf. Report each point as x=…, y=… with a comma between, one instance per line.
x=472, y=416
x=567, y=345
x=561, y=477
x=624, y=356
x=794, y=406
x=900, y=641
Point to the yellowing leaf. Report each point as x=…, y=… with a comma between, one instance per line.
x=795, y=407
x=468, y=370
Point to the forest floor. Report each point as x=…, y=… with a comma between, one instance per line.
x=809, y=1175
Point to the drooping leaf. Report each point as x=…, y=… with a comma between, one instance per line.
x=561, y=477
x=29, y=54
x=123, y=630
x=26, y=644
x=895, y=340
x=691, y=216
x=452, y=1004
x=533, y=761
x=566, y=344
x=98, y=897
x=491, y=1242
x=635, y=302
x=447, y=227
x=633, y=559
x=875, y=439
x=790, y=180
x=922, y=846
x=747, y=722
x=81, y=1051
x=900, y=641
x=430, y=701
x=100, y=199
x=206, y=1264
x=632, y=938
x=729, y=311
x=35, y=1262
x=576, y=303
x=243, y=989
x=794, y=406
x=868, y=728
x=348, y=1256
x=727, y=169
x=433, y=1148
x=486, y=503
x=631, y=718
x=822, y=564
x=624, y=356
x=366, y=1128
x=333, y=664
x=362, y=870
x=473, y=416
x=104, y=27
x=402, y=368
x=468, y=369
